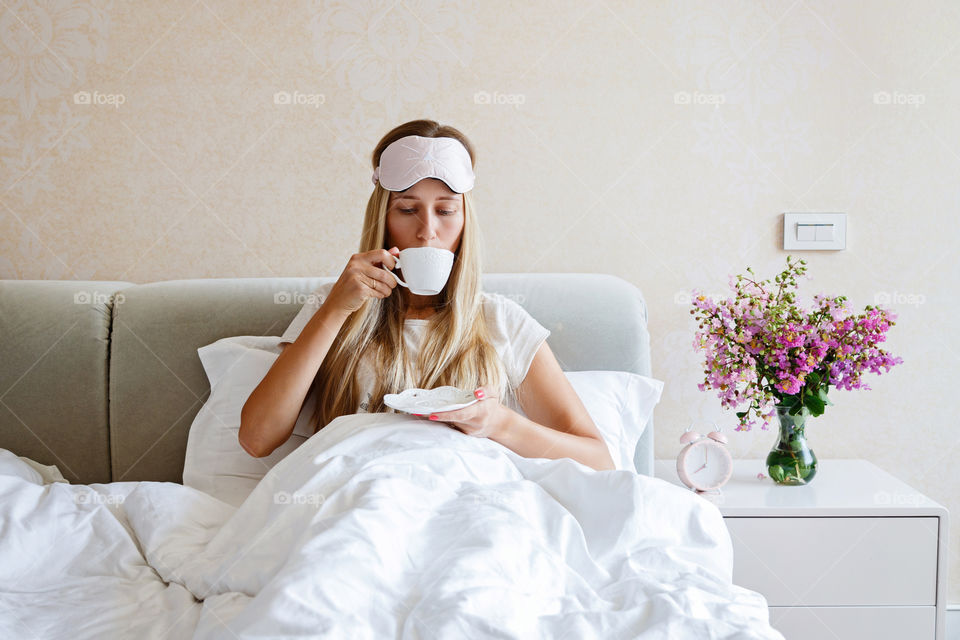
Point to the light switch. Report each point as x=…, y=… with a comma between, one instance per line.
x=819, y=231
x=824, y=233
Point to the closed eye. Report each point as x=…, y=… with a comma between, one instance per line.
x=443, y=211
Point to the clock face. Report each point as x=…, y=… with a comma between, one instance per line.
x=705, y=464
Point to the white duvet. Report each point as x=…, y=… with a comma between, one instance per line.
x=379, y=526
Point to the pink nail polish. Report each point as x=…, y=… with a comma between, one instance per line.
x=432, y=417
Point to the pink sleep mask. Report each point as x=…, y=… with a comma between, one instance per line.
x=411, y=159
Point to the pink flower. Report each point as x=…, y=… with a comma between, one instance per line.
x=760, y=346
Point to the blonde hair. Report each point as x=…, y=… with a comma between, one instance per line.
x=456, y=348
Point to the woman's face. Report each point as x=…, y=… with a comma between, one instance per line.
x=428, y=214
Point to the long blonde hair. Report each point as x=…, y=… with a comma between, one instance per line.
x=456, y=348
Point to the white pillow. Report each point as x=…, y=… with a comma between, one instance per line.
x=215, y=463
x=13, y=465
x=30, y=470
x=620, y=404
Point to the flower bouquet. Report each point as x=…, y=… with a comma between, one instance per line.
x=764, y=351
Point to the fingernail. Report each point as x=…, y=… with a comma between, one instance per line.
x=433, y=417
x=480, y=393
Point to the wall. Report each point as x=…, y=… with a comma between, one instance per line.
x=657, y=141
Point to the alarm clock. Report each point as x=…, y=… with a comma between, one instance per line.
x=704, y=464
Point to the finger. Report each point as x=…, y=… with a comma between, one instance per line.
x=386, y=258
x=456, y=415
x=481, y=393
x=381, y=281
x=381, y=288
x=373, y=284
x=381, y=275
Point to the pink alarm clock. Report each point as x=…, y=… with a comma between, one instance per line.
x=704, y=464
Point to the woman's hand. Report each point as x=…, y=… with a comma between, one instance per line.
x=482, y=419
x=363, y=278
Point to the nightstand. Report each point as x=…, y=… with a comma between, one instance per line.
x=854, y=554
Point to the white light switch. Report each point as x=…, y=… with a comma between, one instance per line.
x=814, y=231
x=824, y=233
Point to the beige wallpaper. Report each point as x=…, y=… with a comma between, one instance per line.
x=658, y=141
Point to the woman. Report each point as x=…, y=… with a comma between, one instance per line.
x=362, y=337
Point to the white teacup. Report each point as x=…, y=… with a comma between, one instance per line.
x=425, y=268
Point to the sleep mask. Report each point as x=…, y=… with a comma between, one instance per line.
x=412, y=158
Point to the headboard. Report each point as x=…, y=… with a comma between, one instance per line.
x=103, y=380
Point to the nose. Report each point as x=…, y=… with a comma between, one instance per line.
x=427, y=228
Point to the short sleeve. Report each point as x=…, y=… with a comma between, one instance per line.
x=524, y=335
x=303, y=317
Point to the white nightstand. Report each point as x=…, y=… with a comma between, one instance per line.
x=854, y=554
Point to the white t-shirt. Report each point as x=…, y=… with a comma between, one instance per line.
x=515, y=334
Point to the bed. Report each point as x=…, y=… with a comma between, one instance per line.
x=379, y=526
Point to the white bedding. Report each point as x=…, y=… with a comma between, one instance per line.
x=379, y=526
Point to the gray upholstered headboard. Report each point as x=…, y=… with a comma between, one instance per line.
x=103, y=380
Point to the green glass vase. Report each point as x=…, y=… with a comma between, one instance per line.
x=791, y=461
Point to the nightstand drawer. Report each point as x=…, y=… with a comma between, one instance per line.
x=833, y=561
x=876, y=623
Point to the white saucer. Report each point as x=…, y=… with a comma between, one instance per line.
x=430, y=400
